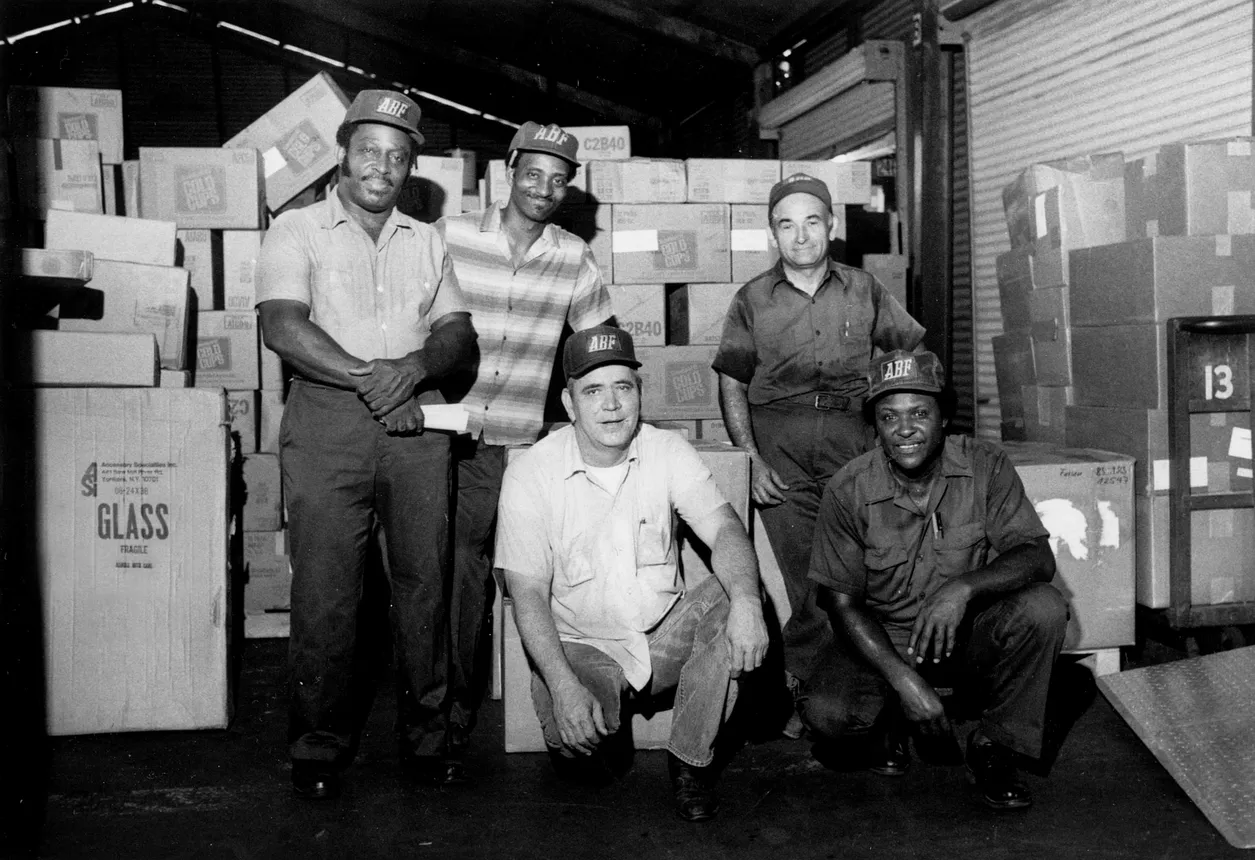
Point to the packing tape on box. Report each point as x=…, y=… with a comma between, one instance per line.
x=749, y=240
x=631, y=241
x=1039, y=210
x=1162, y=477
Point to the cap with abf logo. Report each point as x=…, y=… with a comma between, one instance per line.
x=389, y=108
x=549, y=139
x=593, y=347
x=903, y=370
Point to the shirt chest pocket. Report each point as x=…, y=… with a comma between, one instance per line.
x=962, y=548
x=888, y=572
x=856, y=333
x=653, y=544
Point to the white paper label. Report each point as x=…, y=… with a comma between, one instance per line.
x=1244, y=472
x=1162, y=479
x=1240, y=443
x=1198, y=471
x=1222, y=301
x=749, y=240
x=632, y=241
x=273, y=161
x=1039, y=210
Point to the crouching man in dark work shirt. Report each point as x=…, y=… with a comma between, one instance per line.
x=934, y=568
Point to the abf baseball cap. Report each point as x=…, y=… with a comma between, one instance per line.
x=549, y=139
x=903, y=370
x=593, y=347
x=798, y=183
x=389, y=108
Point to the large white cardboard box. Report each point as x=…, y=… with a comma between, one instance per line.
x=131, y=498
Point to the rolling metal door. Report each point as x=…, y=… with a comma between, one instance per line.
x=1053, y=79
x=861, y=113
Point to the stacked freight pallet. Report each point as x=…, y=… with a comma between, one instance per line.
x=675, y=240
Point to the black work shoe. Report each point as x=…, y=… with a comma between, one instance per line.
x=892, y=756
x=694, y=790
x=430, y=771
x=991, y=769
x=315, y=780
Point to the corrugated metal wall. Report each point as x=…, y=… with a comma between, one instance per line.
x=858, y=115
x=1054, y=79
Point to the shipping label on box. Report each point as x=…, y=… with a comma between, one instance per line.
x=640, y=310
x=57, y=174
x=848, y=182
x=130, y=297
x=263, y=505
x=1085, y=501
x=601, y=142
x=698, y=311
x=76, y=359
x=202, y=187
x=637, y=180
x=679, y=243
x=1052, y=339
x=227, y=350
x=69, y=113
x=593, y=224
x=269, y=585
x=1205, y=188
x=109, y=237
x=197, y=252
x=242, y=411
x=731, y=180
x=752, y=250
x=270, y=414
x=678, y=382
x=240, y=249
x=57, y=265
x=296, y=138
x=131, y=528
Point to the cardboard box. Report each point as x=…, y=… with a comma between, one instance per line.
x=242, y=410
x=130, y=297
x=433, y=188
x=75, y=266
x=1120, y=366
x=593, y=224
x=263, y=502
x=240, y=249
x=713, y=430
x=227, y=350
x=848, y=182
x=1204, y=188
x=687, y=429
x=270, y=413
x=71, y=358
x=1085, y=501
x=1153, y=280
x=109, y=237
x=130, y=188
x=269, y=569
x=130, y=521
x=1096, y=217
x=892, y=272
x=1045, y=413
x=640, y=310
x=202, y=187
x=731, y=180
x=69, y=114
x=1015, y=283
x=680, y=243
x=601, y=142
x=200, y=252
x=1138, y=433
x=296, y=138
x=1141, y=197
x=1052, y=339
x=752, y=251
x=637, y=180
x=175, y=379
x=1086, y=215
x=1222, y=543
x=697, y=312
x=57, y=174
x=678, y=382
x=1013, y=369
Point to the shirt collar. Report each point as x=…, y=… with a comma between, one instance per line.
x=956, y=462
x=573, y=462
x=834, y=272
x=337, y=214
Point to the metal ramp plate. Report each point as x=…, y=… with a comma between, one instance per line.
x=1198, y=718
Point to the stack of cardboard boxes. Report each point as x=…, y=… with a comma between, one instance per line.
x=1104, y=252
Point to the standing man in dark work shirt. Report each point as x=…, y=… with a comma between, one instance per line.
x=792, y=375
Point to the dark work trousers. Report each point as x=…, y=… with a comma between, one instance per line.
x=806, y=446
x=479, y=468
x=342, y=475
x=1006, y=652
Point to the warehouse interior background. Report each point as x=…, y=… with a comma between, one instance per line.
x=949, y=100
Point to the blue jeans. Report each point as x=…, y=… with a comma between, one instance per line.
x=688, y=654
x=342, y=476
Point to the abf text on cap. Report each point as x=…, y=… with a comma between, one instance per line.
x=903, y=370
x=593, y=347
x=388, y=108
x=550, y=139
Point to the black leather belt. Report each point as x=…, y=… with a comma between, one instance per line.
x=828, y=402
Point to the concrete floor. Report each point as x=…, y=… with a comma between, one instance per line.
x=226, y=794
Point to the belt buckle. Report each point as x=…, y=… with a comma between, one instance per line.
x=828, y=402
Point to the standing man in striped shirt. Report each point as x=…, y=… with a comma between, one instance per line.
x=522, y=276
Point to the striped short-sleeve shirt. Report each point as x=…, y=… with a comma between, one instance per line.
x=518, y=315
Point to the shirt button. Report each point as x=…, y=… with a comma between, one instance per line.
x=383, y=326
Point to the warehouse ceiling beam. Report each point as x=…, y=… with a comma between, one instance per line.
x=673, y=29
x=376, y=28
